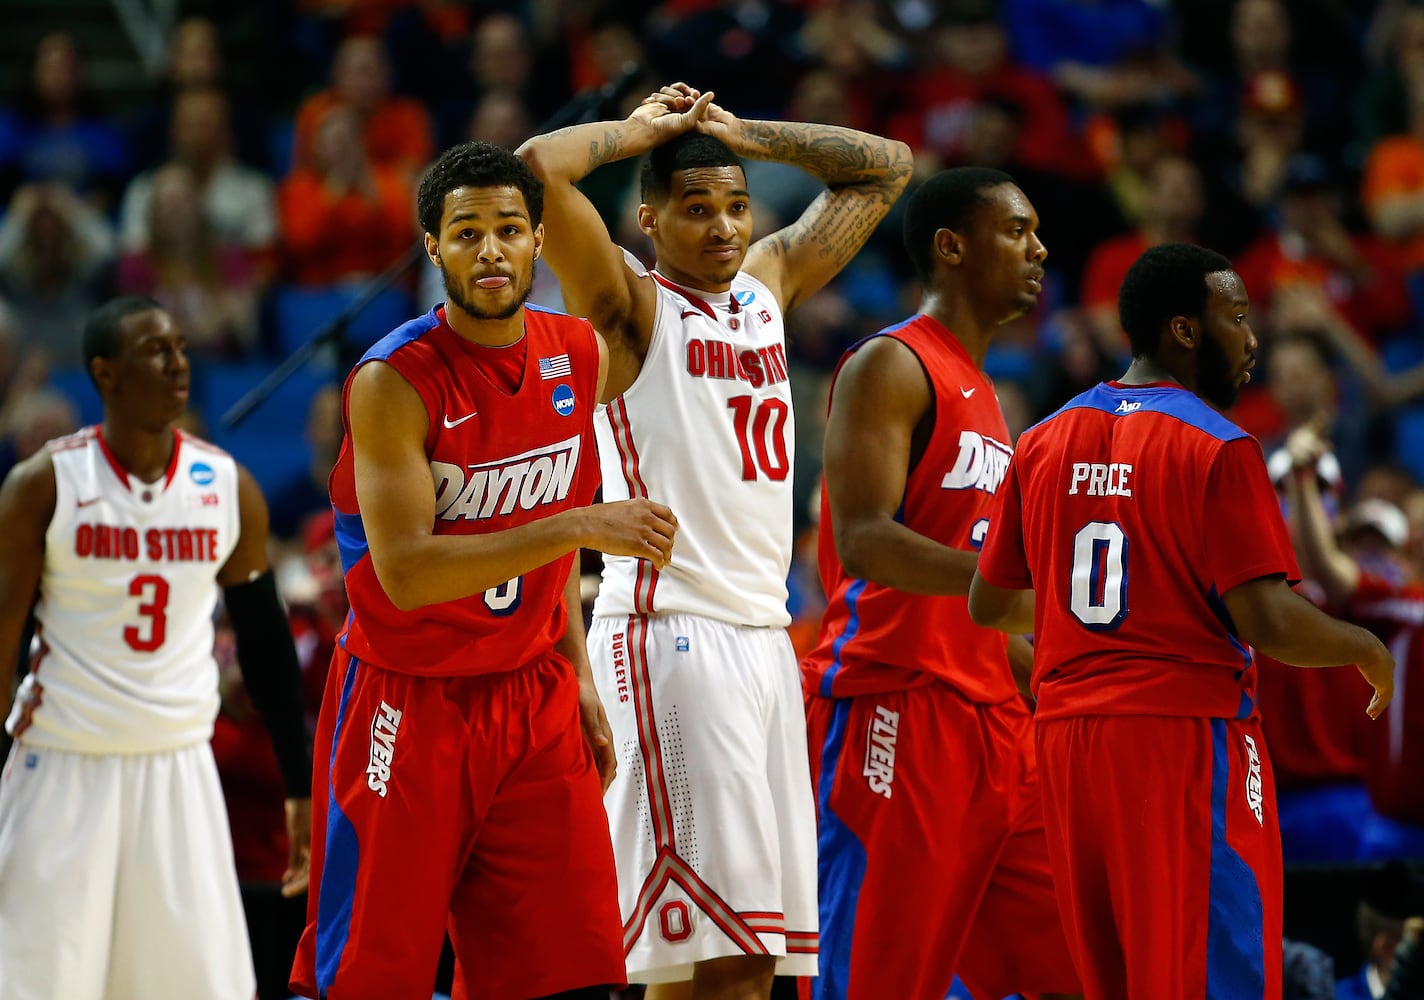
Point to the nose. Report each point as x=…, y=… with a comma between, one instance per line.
x=722, y=225
x=490, y=251
x=1037, y=251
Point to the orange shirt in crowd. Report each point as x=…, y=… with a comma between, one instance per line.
x=1396, y=166
x=399, y=134
x=328, y=238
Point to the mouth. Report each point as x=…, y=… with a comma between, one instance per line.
x=1246, y=372
x=179, y=391
x=493, y=282
x=1036, y=280
x=723, y=252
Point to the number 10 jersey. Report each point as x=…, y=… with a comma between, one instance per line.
x=707, y=429
x=123, y=654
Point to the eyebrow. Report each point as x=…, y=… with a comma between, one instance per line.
x=702, y=192
x=505, y=214
x=1022, y=219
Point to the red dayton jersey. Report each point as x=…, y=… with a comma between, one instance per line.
x=1393, y=744
x=876, y=638
x=497, y=461
x=1130, y=512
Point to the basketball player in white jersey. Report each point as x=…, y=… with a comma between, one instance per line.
x=116, y=866
x=712, y=815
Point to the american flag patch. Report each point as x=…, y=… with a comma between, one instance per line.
x=555, y=367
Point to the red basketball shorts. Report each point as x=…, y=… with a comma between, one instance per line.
x=932, y=853
x=1167, y=854
x=467, y=803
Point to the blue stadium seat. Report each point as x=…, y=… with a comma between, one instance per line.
x=281, y=140
x=302, y=313
x=273, y=459
x=1409, y=439
x=74, y=382
x=216, y=387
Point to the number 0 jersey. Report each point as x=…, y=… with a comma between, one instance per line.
x=707, y=429
x=123, y=659
x=498, y=460
x=1130, y=512
x=877, y=638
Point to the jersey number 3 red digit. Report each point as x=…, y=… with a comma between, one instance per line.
x=152, y=592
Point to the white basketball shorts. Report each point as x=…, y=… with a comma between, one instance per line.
x=117, y=879
x=712, y=816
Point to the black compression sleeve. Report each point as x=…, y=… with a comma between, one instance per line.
x=272, y=675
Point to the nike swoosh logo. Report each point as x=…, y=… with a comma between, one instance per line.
x=966, y=393
x=456, y=423
x=86, y=503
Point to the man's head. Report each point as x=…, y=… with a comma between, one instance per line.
x=1174, y=195
x=361, y=73
x=1185, y=308
x=972, y=233
x=696, y=209
x=137, y=359
x=200, y=133
x=1301, y=378
x=480, y=207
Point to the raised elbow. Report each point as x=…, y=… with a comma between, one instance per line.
x=532, y=153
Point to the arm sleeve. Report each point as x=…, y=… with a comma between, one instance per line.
x=1245, y=536
x=1002, y=560
x=272, y=675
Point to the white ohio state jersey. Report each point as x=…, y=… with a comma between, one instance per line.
x=707, y=429
x=123, y=657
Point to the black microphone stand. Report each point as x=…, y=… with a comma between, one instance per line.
x=588, y=105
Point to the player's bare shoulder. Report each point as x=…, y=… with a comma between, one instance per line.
x=29, y=490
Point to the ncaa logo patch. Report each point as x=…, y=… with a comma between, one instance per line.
x=202, y=474
x=563, y=400
x=744, y=298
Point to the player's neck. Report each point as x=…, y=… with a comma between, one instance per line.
x=143, y=454
x=1145, y=371
x=955, y=315
x=485, y=332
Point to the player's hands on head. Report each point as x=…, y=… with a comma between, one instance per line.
x=1379, y=671
x=639, y=528
x=597, y=730
x=299, y=829
x=672, y=110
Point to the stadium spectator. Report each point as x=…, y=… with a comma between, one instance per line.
x=345, y=216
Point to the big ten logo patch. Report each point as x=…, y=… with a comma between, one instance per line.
x=675, y=920
x=880, y=737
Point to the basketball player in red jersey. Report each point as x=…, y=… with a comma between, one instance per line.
x=461, y=741
x=1147, y=527
x=932, y=853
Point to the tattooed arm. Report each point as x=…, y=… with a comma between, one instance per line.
x=595, y=280
x=863, y=174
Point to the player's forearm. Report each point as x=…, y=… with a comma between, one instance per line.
x=1296, y=632
x=838, y=157
x=421, y=570
x=1005, y=610
x=568, y=155
x=886, y=552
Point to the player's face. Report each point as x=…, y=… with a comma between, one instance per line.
x=702, y=231
x=486, y=250
x=1227, y=352
x=147, y=382
x=1004, y=255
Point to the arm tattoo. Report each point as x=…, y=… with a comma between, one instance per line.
x=605, y=150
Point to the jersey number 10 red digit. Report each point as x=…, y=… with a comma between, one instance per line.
x=753, y=431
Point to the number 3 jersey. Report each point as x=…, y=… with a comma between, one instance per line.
x=877, y=638
x=707, y=429
x=123, y=652
x=1130, y=512
x=499, y=459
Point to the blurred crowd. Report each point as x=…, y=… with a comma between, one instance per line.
x=256, y=205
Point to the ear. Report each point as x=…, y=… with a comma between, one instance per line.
x=1184, y=332
x=432, y=249
x=538, y=240
x=948, y=246
x=647, y=220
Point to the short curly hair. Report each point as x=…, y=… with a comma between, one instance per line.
x=1166, y=281
x=479, y=165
